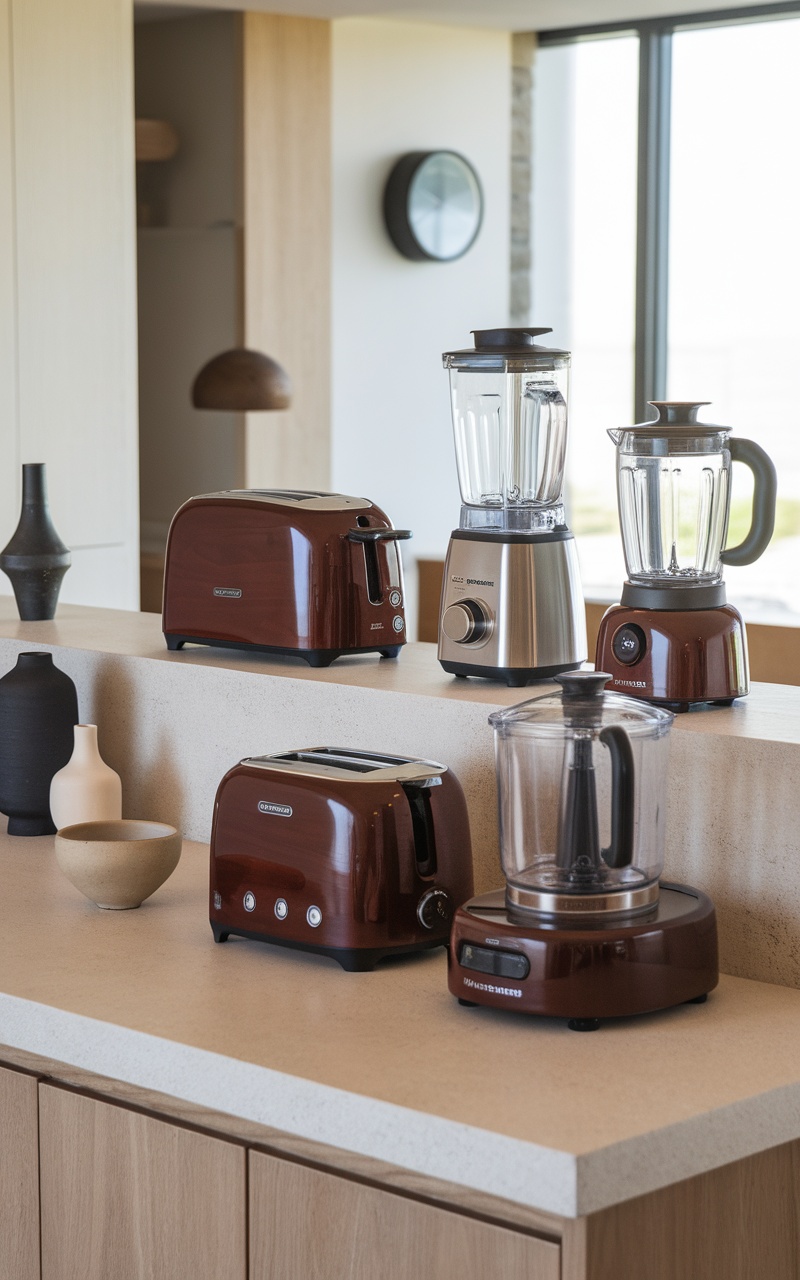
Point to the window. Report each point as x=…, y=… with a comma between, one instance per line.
x=666, y=256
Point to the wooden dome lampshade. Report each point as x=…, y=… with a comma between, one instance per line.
x=241, y=380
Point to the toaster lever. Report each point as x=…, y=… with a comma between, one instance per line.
x=369, y=539
x=419, y=803
x=379, y=535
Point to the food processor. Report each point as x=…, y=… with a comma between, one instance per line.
x=584, y=930
x=512, y=607
x=673, y=639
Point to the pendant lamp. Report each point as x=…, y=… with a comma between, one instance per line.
x=241, y=380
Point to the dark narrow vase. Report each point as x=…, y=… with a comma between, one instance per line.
x=35, y=558
x=38, y=714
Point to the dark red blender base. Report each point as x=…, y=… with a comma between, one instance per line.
x=684, y=656
x=585, y=970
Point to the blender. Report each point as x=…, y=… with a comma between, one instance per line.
x=584, y=930
x=512, y=607
x=673, y=639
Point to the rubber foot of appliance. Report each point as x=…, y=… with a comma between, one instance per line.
x=698, y=999
x=583, y=1024
x=468, y=1004
x=220, y=935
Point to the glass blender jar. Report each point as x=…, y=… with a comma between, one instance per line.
x=584, y=929
x=511, y=606
x=673, y=638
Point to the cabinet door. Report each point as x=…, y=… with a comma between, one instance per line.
x=308, y=1225
x=127, y=1196
x=19, y=1177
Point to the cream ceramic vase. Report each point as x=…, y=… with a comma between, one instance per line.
x=86, y=789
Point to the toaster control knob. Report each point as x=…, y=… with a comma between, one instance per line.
x=434, y=909
x=465, y=622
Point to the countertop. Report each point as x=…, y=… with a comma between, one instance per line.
x=387, y=1064
x=770, y=713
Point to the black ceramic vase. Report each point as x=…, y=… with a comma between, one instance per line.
x=38, y=714
x=35, y=558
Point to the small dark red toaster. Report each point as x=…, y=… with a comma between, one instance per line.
x=311, y=574
x=354, y=855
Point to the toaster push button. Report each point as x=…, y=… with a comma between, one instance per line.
x=314, y=917
x=395, y=599
x=281, y=908
x=249, y=901
x=434, y=909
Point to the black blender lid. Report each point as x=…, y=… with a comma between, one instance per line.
x=679, y=416
x=506, y=342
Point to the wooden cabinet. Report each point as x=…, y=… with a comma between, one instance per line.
x=128, y=1196
x=19, y=1182
x=135, y=1186
x=306, y=1224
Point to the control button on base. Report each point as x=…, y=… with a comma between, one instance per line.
x=629, y=644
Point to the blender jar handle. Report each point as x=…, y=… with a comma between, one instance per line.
x=764, y=494
x=620, y=852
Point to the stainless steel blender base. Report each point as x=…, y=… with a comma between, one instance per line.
x=516, y=602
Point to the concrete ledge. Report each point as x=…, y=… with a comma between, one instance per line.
x=172, y=724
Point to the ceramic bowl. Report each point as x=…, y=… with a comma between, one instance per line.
x=118, y=864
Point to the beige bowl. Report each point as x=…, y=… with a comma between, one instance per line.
x=118, y=864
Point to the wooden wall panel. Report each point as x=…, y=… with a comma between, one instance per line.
x=19, y=1177
x=310, y=1225
x=287, y=241
x=127, y=1196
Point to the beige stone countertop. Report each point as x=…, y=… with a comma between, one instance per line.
x=770, y=712
x=387, y=1064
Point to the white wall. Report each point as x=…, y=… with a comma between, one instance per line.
x=67, y=277
x=401, y=87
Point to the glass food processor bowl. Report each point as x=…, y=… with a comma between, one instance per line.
x=509, y=406
x=582, y=798
x=674, y=491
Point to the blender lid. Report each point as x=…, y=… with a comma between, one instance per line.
x=493, y=347
x=678, y=416
x=583, y=702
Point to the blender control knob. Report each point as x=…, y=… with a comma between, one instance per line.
x=465, y=622
x=629, y=644
x=434, y=909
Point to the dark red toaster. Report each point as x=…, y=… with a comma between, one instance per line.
x=305, y=573
x=354, y=855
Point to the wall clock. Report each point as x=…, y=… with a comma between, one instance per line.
x=433, y=205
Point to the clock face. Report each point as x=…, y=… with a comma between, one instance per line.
x=433, y=205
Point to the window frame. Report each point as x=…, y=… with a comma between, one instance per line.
x=653, y=170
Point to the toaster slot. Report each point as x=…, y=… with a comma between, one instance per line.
x=374, y=591
x=356, y=761
x=419, y=803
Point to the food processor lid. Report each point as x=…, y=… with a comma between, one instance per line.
x=498, y=348
x=583, y=702
x=676, y=417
